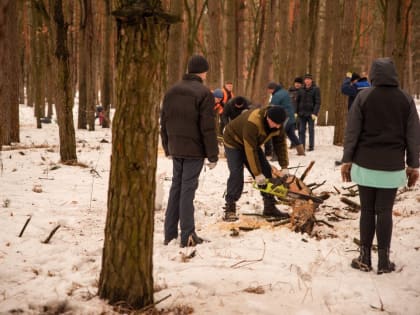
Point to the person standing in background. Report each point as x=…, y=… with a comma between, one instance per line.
x=308, y=104
x=227, y=92
x=188, y=135
x=381, y=138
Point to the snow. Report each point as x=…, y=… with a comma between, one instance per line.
x=270, y=270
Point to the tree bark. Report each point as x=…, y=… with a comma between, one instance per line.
x=127, y=269
x=9, y=74
x=64, y=97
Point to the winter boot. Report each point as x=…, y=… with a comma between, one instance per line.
x=230, y=212
x=270, y=209
x=384, y=264
x=300, y=149
x=192, y=241
x=363, y=262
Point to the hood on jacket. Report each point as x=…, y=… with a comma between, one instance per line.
x=383, y=73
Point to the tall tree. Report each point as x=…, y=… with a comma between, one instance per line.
x=9, y=78
x=64, y=95
x=343, y=62
x=127, y=270
x=215, y=43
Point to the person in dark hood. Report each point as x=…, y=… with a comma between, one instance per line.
x=234, y=108
x=381, y=151
x=188, y=134
x=243, y=138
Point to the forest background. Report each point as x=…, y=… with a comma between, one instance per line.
x=123, y=54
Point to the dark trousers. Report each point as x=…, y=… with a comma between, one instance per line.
x=236, y=160
x=181, y=198
x=290, y=132
x=303, y=121
x=376, y=215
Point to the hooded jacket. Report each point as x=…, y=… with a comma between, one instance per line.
x=383, y=124
x=187, y=120
x=249, y=131
x=280, y=97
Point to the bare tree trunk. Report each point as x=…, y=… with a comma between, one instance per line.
x=230, y=40
x=127, y=265
x=243, y=45
x=343, y=62
x=107, y=71
x=215, y=44
x=9, y=74
x=64, y=97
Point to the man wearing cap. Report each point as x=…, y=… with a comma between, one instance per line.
x=308, y=103
x=353, y=83
x=243, y=138
x=188, y=134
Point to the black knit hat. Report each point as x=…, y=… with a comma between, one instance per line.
x=355, y=76
x=276, y=114
x=298, y=80
x=198, y=64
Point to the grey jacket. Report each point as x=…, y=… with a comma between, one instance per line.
x=383, y=124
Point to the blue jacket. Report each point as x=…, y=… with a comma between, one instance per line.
x=351, y=90
x=281, y=98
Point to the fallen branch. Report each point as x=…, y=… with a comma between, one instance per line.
x=247, y=262
x=47, y=240
x=24, y=226
x=325, y=222
x=306, y=172
x=354, y=205
x=281, y=222
x=147, y=307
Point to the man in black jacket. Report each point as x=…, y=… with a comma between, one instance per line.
x=308, y=103
x=188, y=135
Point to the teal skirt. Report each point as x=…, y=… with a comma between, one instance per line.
x=378, y=179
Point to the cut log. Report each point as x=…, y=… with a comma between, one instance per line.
x=303, y=218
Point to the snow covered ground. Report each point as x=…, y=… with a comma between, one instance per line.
x=270, y=270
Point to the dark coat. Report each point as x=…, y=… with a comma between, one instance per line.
x=383, y=124
x=249, y=131
x=308, y=101
x=351, y=89
x=280, y=97
x=231, y=111
x=187, y=120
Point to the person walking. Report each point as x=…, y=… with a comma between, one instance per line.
x=188, y=135
x=280, y=97
x=381, y=138
x=308, y=104
x=243, y=138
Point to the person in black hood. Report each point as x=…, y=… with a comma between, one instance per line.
x=188, y=133
x=381, y=138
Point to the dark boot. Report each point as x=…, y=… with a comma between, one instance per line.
x=384, y=264
x=230, y=212
x=192, y=241
x=300, y=149
x=363, y=262
x=271, y=210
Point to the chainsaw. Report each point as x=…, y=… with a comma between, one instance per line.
x=279, y=188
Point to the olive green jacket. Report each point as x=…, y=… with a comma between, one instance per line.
x=248, y=132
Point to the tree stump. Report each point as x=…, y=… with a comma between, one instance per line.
x=303, y=218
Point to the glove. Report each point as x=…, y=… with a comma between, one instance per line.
x=345, y=172
x=349, y=74
x=412, y=176
x=169, y=157
x=284, y=172
x=296, y=115
x=211, y=165
x=314, y=117
x=261, y=181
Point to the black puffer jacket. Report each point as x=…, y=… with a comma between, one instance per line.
x=187, y=120
x=383, y=123
x=308, y=101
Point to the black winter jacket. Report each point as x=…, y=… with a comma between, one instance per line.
x=187, y=120
x=383, y=123
x=308, y=101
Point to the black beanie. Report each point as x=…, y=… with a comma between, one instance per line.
x=355, y=76
x=298, y=80
x=198, y=64
x=276, y=114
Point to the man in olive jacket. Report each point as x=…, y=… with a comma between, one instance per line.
x=243, y=138
x=188, y=135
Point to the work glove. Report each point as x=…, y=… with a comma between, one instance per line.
x=296, y=115
x=412, y=176
x=314, y=117
x=212, y=165
x=345, y=172
x=349, y=74
x=261, y=181
x=284, y=172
